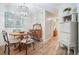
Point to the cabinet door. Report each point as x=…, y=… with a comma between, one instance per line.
x=65, y=27
x=64, y=38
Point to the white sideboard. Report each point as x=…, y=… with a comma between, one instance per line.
x=68, y=35
x=69, y=32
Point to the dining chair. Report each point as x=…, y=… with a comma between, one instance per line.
x=8, y=42
x=28, y=40
x=37, y=31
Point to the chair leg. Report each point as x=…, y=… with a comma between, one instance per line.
x=33, y=46
x=66, y=51
x=5, y=49
x=26, y=49
x=8, y=50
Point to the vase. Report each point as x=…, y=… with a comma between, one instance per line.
x=66, y=13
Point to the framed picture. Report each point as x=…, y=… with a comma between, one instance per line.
x=12, y=20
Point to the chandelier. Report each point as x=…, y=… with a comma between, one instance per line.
x=23, y=10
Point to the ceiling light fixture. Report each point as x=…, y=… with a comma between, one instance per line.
x=23, y=10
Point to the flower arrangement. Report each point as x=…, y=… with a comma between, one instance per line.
x=67, y=9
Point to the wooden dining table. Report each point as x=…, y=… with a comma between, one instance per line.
x=20, y=34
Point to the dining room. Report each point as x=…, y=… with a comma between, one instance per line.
x=18, y=22
x=22, y=29
x=31, y=28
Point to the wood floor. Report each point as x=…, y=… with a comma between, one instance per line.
x=41, y=48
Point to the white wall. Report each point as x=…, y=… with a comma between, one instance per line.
x=40, y=18
x=1, y=22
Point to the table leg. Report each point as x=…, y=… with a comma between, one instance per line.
x=19, y=46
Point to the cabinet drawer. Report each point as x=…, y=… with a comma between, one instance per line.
x=65, y=27
x=64, y=37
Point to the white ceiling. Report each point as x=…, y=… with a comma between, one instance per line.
x=51, y=7
x=47, y=6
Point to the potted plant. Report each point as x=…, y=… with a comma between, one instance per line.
x=67, y=10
